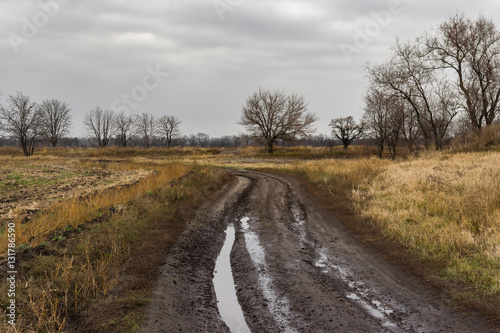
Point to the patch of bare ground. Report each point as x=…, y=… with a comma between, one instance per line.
x=26, y=186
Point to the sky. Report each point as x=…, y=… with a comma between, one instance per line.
x=199, y=60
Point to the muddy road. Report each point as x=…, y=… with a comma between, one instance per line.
x=295, y=267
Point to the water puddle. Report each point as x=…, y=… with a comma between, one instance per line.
x=328, y=264
x=278, y=305
x=376, y=311
x=229, y=307
x=300, y=223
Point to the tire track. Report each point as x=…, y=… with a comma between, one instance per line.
x=296, y=269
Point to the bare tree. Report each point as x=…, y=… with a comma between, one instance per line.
x=192, y=140
x=21, y=119
x=203, y=139
x=471, y=50
x=271, y=115
x=125, y=128
x=168, y=127
x=395, y=121
x=410, y=77
x=146, y=126
x=55, y=120
x=99, y=125
x=346, y=130
x=410, y=130
x=376, y=117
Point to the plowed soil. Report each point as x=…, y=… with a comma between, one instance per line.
x=27, y=189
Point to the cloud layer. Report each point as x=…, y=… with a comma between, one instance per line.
x=216, y=52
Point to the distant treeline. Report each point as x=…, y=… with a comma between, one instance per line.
x=200, y=140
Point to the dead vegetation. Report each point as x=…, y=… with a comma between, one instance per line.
x=81, y=258
x=88, y=262
x=443, y=208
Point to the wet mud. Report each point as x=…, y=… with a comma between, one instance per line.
x=294, y=267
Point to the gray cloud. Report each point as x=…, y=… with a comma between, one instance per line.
x=92, y=52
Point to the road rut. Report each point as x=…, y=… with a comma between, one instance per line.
x=296, y=268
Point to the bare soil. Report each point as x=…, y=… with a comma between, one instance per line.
x=297, y=269
x=26, y=189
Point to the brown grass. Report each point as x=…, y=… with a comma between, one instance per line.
x=77, y=210
x=443, y=208
x=90, y=261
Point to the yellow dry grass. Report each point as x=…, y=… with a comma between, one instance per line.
x=79, y=209
x=86, y=266
x=441, y=206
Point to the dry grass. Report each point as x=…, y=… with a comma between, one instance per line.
x=78, y=210
x=443, y=207
x=76, y=252
x=486, y=140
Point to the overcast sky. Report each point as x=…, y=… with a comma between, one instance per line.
x=199, y=59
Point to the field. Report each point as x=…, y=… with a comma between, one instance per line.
x=85, y=217
x=85, y=225
x=444, y=209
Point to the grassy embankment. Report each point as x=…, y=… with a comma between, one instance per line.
x=91, y=261
x=443, y=208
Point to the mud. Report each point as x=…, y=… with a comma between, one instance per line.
x=25, y=190
x=296, y=269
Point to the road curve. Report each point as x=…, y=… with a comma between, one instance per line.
x=297, y=269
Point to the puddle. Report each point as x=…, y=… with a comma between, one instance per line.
x=377, y=312
x=300, y=223
x=328, y=264
x=227, y=301
x=278, y=305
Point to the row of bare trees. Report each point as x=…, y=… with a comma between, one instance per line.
x=101, y=125
x=430, y=84
x=30, y=122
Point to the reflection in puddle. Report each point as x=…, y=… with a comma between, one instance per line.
x=278, y=305
x=229, y=308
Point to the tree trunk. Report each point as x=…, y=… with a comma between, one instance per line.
x=392, y=151
x=270, y=147
x=380, y=150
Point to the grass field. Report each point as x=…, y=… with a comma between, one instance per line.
x=75, y=244
x=443, y=208
x=106, y=225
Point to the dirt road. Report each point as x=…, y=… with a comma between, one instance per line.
x=296, y=269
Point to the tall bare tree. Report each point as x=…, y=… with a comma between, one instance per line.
x=396, y=113
x=346, y=130
x=410, y=130
x=125, y=128
x=470, y=49
x=146, y=127
x=99, y=125
x=409, y=76
x=168, y=127
x=272, y=115
x=55, y=120
x=21, y=119
x=376, y=117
